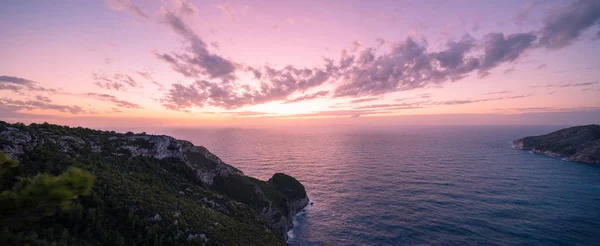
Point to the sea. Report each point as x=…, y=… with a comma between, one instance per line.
x=420, y=185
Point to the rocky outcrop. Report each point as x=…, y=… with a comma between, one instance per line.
x=276, y=200
x=579, y=144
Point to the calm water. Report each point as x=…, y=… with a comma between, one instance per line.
x=421, y=185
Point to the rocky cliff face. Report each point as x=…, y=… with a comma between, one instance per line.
x=276, y=200
x=580, y=144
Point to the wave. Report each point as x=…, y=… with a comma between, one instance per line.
x=304, y=210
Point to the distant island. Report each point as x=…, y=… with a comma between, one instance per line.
x=579, y=144
x=147, y=190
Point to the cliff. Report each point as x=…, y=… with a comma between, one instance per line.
x=182, y=192
x=579, y=144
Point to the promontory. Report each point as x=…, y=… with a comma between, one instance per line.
x=578, y=144
x=147, y=190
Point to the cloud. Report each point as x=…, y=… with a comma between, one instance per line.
x=185, y=7
x=114, y=100
x=454, y=55
x=361, y=72
x=565, y=24
x=245, y=113
x=541, y=66
x=196, y=60
x=470, y=101
x=523, y=15
x=277, y=84
x=408, y=65
x=421, y=96
x=16, y=105
x=566, y=85
x=118, y=81
x=585, y=84
x=17, y=84
x=497, y=92
x=148, y=76
x=509, y=70
x=499, y=48
x=308, y=97
x=127, y=5
x=116, y=110
x=353, y=113
x=367, y=99
x=233, y=12
x=15, y=80
x=395, y=106
x=43, y=99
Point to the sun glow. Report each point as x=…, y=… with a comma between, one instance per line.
x=296, y=108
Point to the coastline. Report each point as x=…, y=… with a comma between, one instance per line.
x=290, y=233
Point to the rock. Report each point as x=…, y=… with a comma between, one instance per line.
x=578, y=144
x=156, y=217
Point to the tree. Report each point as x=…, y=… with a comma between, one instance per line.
x=6, y=162
x=30, y=199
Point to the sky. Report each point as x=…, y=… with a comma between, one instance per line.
x=282, y=63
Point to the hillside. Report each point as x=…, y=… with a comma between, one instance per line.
x=579, y=143
x=149, y=190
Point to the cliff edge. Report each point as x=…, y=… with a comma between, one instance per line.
x=579, y=144
x=167, y=182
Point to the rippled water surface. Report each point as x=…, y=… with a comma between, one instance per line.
x=421, y=185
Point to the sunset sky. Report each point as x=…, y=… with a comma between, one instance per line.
x=196, y=62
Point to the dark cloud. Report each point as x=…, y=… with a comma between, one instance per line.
x=276, y=84
x=16, y=105
x=127, y=5
x=365, y=72
x=17, y=84
x=407, y=66
x=118, y=82
x=15, y=80
x=307, y=97
x=565, y=24
x=499, y=48
x=454, y=55
x=196, y=60
x=113, y=99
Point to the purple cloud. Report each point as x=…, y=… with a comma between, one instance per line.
x=565, y=24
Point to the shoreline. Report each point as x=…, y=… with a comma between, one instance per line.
x=290, y=233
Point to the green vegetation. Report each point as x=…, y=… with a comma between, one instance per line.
x=32, y=199
x=134, y=200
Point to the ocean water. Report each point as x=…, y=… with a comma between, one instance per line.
x=421, y=185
